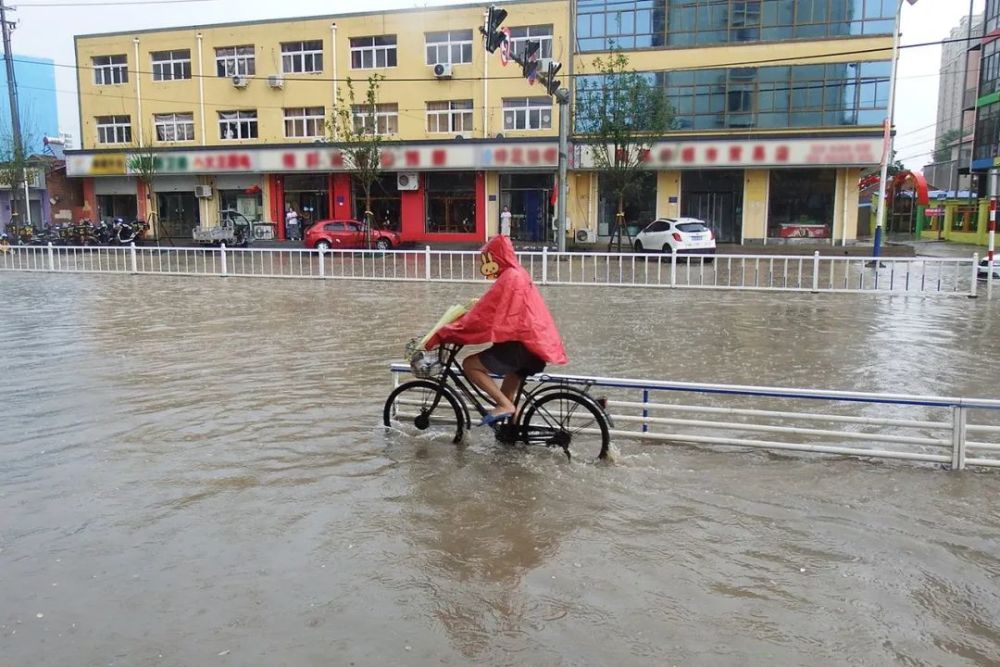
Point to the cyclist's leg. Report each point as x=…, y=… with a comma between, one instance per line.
x=479, y=375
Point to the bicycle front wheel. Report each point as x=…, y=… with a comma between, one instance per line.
x=425, y=408
x=568, y=420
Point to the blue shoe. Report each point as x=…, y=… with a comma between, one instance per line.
x=489, y=418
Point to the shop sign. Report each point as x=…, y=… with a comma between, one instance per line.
x=764, y=153
x=933, y=212
x=466, y=155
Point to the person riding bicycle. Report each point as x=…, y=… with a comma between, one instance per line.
x=513, y=316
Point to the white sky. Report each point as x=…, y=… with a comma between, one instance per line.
x=48, y=32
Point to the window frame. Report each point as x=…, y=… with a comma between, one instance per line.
x=387, y=112
x=251, y=121
x=106, y=73
x=176, y=121
x=165, y=69
x=115, y=125
x=304, y=120
x=524, y=108
x=374, y=50
x=302, y=56
x=224, y=60
x=543, y=38
x=447, y=40
x=458, y=119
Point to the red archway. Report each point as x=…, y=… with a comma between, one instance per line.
x=919, y=185
x=902, y=211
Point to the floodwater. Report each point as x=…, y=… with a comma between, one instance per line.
x=193, y=472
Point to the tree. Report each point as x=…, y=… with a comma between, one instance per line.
x=143, y=162
x=943, y=151
x=356, y=127
x=15, y=165
x=620, y=113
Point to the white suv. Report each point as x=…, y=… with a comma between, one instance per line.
x=680, y=235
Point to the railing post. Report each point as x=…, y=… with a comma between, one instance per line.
x=132, y=257
x=645, y=411
x=545, y=265
x=975, y=276
x=224, y=266
x=815, y=271
x=959, y=416
x=52, y=257
x=427, y=262
x=673, y=269
x=322, y=263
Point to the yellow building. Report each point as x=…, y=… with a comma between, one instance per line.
x=777, y=107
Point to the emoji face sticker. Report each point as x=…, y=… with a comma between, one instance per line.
x=488, y=267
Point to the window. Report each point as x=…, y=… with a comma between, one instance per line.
x=451, y=202
x=385, y=121
x=174, y=126
x=627, y=24
x=114, y=129
x=110, y=70
x=302, y=56
x=170, y=65
x=453, y=47
x=235, y=60
x=305, y=122
x=536, y=33
x=450, y=116
x=372, y=52
x=699, y=22
x=801, y=203
x=527, y=113
x=237, y=124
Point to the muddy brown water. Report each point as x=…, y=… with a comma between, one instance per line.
x=192, y=472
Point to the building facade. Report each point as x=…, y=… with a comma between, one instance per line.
x=956, y=117
x=778, y=105
x=986, y=145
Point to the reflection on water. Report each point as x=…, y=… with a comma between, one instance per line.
x=192, y=470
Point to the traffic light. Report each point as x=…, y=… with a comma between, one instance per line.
x=529, y=59
x=551, y=82
x=492, y=37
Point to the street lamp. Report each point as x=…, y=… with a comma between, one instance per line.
x=887, y=141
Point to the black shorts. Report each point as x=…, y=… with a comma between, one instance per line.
x=511, y=357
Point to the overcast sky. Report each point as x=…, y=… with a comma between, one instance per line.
x=48, y=31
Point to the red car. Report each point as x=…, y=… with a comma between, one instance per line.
x=337, y=234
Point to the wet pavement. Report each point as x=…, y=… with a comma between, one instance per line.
x=193, y=472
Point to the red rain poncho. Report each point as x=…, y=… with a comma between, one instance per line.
x=511, y=310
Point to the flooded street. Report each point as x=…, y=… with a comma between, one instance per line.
x=193, y=472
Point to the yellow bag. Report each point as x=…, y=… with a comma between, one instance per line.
x=449, y=316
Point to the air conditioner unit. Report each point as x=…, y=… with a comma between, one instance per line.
x=407, y=180
x=240, y=81
x=586, y=236
x=275, y=81
x=442, y=70
x=203, y=191
x=543, y=64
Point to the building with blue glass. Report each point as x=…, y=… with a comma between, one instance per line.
x=36, y=85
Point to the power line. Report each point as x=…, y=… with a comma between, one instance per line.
x=786, y=60
x=109, y=3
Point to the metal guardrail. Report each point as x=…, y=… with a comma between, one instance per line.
x=802, y=273
x=928, y=429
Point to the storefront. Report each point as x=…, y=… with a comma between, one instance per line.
x=241, y=192
x=801, y=203
x=528, y=196
x=386, y=201
x=715, y=196
x=116, y=198
x=639, y=204
x=309, y=196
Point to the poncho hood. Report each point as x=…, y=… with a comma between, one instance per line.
x=511, y=310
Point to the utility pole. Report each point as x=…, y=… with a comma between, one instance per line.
x=15, y=116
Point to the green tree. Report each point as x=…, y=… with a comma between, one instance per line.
x=144, y=164
x=15, y=166
x=943, y=151
x=355, y=126
x=620, y=113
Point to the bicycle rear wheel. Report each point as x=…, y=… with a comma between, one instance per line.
x=425, y=408
x=568, y=420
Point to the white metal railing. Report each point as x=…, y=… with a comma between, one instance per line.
x=929, y=429
x=804, y=273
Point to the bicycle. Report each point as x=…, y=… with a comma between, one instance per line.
x=554, y=413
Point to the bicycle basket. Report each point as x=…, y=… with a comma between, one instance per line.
x=426, y=364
